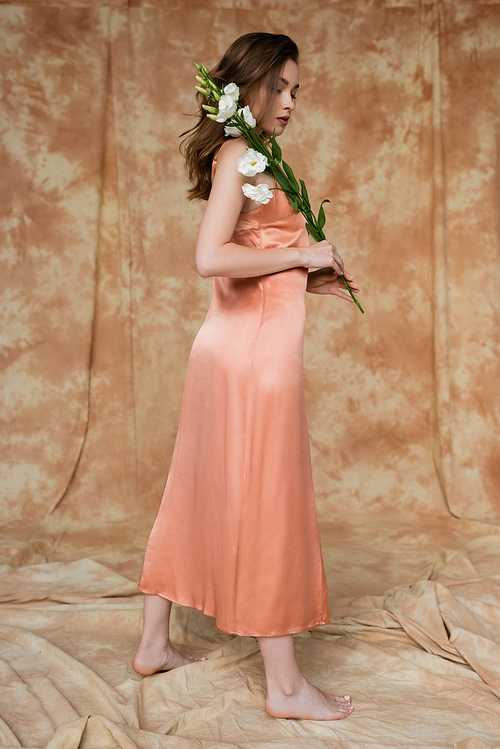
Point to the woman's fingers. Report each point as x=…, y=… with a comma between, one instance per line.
x=342, y=295
x=340, y=289
x=338, y=263
x=332, y=261
x=350, y=280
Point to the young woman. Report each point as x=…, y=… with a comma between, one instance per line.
x=236, y=534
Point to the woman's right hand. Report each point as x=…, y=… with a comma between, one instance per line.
x=323, y=255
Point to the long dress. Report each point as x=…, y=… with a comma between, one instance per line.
x=236, y=534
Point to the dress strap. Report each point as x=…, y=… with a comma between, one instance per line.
x=217, y=154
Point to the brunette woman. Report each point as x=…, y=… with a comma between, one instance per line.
x=236, y=534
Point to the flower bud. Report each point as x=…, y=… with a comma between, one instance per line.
x=212, y=117
x=213, y=110
x=202, y=91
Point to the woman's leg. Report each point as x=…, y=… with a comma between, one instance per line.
x=155, y=651
x=289, y=694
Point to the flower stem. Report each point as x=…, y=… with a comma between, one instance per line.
x=284, y=176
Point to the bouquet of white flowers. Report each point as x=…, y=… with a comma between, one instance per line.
x=264, y=154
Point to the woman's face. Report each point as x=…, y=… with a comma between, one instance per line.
x=284, y=103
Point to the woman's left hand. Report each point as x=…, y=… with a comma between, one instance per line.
x=326, y=281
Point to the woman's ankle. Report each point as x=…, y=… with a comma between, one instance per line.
x=157, y=643
x=285, y=687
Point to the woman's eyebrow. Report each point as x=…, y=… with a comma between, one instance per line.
x=284, y=80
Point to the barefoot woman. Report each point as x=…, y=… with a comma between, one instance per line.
x=236, y=534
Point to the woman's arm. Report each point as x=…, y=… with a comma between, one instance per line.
x=216, y=255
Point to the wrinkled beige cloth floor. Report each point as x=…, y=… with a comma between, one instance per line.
x=415, y=639
x=397, y=124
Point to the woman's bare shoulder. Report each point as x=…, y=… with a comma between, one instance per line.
x=232, y=149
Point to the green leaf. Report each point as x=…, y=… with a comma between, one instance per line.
x=313, y=232
x=291, y=176
x=275, y=149
x=294, y=205
x=303, y=190
x=282, y=181
x=321, y=215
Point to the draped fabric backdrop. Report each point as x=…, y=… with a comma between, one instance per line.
x=398, y=124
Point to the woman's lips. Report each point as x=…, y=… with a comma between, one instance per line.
x=283, y=120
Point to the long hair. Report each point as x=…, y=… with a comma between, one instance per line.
x=254, y=62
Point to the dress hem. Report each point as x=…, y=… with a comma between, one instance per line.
x=294, y=631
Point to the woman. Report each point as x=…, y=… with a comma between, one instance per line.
x=236, y=533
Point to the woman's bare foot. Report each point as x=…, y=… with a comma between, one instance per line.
x=303, y=701
x=155, y=651
x=149, y=662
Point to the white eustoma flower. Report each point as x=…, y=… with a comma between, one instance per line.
x=251, y=163
x=260, y=193
x=227, y=107
x=247, y=116
x=230, y=130
x=232, y=90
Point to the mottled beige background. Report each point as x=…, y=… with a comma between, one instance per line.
x=398, y=124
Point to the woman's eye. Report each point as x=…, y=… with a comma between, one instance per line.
x=294, y=96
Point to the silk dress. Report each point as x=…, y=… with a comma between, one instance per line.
x=236, y=534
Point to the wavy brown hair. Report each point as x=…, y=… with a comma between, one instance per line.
x=254, y=62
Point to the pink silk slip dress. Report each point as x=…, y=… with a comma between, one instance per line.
x=236, y=534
